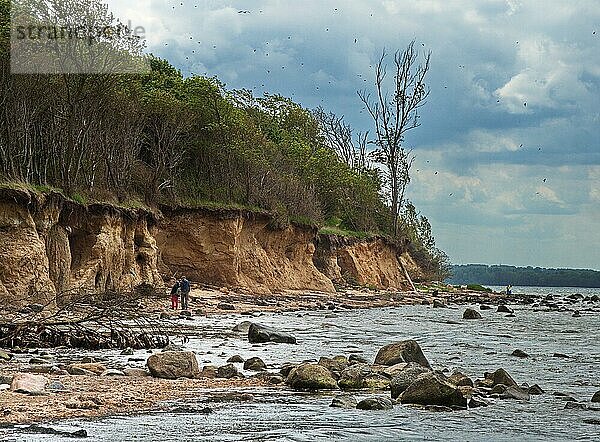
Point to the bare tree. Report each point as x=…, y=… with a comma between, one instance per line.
x=394, y=115
x=339, y=136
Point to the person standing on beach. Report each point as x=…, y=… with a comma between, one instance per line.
x=175, y=295
x=184, y=285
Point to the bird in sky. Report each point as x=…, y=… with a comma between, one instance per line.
x=544, y=180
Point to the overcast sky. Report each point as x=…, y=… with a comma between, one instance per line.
x=508, y=154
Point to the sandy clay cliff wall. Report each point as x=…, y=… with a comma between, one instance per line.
x=52, y=248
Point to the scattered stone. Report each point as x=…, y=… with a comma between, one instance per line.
x=83, y=403
x=113, y=372
x=255, y=364
x=335, y=364
x=76, y=371
x=276, y=380
x=560, y=355
x=352, y=378
x=55, y=386
x=344, y=401
x=375, y=403
x=375, y=381
x=392, y=371
x=136, y=372
x=405, y=378
x=127, y=352
x=498, y=389
x=515, y=392
x=460, y=380
x=503, y=309
x=227, y=371
x=94, y=367
x=354, y=358
x=242, y=327
x=476, y=402
x=433, y=389
x=402, y=351
x=438, y=304
x=225, y=306
x=311, y=377
x=596, y=397
x=519, y=354
x=209, y=371
x=38, y=361
x=501, y=376
x=575, y=406
x=237, y=359
x=485, y=307
x=535, y=390
x=185, y=313
x=28, y=383
x=173, y=365
x=38, y=429
x=471, y=314
x=259, y=333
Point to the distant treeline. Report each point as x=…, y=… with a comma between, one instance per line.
x=524, y=276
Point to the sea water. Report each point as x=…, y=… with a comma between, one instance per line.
x=448, y=341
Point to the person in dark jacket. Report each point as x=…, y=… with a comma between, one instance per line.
x=175, y=295
x=185, y=288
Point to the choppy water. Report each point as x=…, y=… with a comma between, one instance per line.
x=448, y=342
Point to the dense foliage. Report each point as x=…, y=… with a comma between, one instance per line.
x=523, y=276
x=165, y=138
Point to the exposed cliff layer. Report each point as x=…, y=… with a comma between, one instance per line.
x=372, y=262
x=52, y=248
x=238, y=249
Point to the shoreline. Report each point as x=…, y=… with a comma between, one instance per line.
x=104, y=396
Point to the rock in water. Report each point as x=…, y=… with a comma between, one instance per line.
x=403, y=351
x=501, y=376
x=344, y=401
x=515, y=392
x=438, y=304
x=471, y=314
x=596, y=397
x=460, y=380
x=433, y=389
x=519, y=354
x=255, y=364
x=28, y=383
x=535, y=389
x=504, y=309
x=242, y=327
x=227, y=371
x=337, y=363
x=352, y=378
x=402, y=380
x=173, y=365
x=375, y=403
x=311, y=377
x=236, y=359
x=259, y=333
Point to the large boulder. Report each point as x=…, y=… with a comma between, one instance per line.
x=515, y=392
x=173, y=365
x=28, y=383
x=353, y=377
x=259, y=333
x=596, y=397
x=433, y=389
x=501, y=376
x=375, y=403
x=227, y=371
x=344, y=401
x=337, y=363
x=255, y=364
x=376, y=381
x=471, y=314
x=402, y=380
x=403, y=351
x=311, y=377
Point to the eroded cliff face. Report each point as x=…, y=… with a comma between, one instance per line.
x=52, y=249
x=370, y=262
x=238, y=249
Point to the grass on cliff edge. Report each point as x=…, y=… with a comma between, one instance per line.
x=331, y=230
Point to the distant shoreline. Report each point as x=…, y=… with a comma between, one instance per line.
x=502, y=275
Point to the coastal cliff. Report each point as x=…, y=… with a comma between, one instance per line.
x=52, y=248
